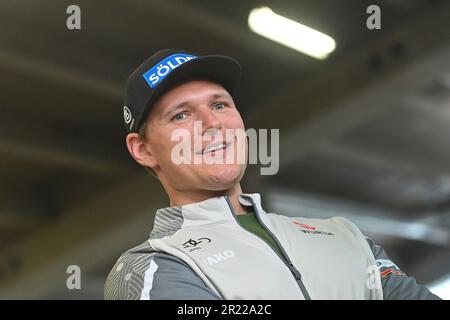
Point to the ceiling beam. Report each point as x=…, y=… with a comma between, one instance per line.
x=217, y=26
x=352, y=111
x=16, y=214
x=387, y=161
x=51, y=154
x=372, y=220
x=91, y=236
x=76, y=79
x=355, y=72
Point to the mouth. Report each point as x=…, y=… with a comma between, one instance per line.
x=215, y=147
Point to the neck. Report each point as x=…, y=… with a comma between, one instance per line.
x=184, y=198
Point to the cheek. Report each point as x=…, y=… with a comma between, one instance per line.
x=164, y=145
x=161, y=146
x=234, y=121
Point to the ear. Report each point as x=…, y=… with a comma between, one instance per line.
x=140, y=150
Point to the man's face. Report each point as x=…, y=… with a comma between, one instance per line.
x=181, y=110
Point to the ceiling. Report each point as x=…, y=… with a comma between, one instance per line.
x=363, y=134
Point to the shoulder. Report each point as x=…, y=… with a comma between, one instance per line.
x=126, y=278
x=143, y=273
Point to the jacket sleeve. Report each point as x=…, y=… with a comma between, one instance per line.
x=396, y=284
x=154, y=276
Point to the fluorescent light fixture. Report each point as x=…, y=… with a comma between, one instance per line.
x=441, y=288
x=292, y=34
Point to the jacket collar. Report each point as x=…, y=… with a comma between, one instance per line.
x=213, y=210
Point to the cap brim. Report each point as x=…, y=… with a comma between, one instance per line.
x=221, y=69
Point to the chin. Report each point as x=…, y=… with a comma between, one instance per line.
x=225, y=176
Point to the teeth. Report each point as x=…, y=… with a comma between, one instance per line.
x=214, y=148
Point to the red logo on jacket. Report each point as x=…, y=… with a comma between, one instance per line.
x=305, y=226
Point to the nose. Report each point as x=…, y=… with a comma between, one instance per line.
x=210, y=121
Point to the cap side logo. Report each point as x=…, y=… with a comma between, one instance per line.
x=127, y=115
x=160, y=70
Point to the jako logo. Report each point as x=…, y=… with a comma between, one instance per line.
x=219, y=257
x=159, y=71
x=193, y=243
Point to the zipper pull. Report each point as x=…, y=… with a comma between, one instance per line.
x=294, y=271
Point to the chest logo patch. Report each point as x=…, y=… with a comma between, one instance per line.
x=307, y=229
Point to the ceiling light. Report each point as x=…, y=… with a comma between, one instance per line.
x=292, y=34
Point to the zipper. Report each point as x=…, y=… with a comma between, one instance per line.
x=287, y=261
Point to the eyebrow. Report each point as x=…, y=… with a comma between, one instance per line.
x=184, y=103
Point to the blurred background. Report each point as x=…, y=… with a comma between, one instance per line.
x=364, y=133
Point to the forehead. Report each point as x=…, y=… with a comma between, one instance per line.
x=187, y=91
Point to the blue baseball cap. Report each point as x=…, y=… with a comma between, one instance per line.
x=166, y=69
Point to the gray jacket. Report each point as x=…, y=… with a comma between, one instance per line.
x=200, y=251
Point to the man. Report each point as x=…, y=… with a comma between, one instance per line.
x=214, y=241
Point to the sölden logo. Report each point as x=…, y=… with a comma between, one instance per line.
x=159, y=71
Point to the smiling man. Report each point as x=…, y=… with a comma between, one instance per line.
x=194, y=180
x=214, y=241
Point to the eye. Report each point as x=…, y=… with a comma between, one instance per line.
x=179, y=116
x=219, y=106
